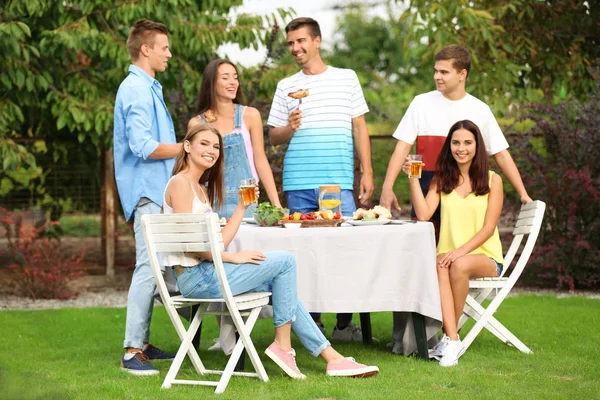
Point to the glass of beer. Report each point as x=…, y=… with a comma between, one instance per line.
x=248, y=188
x=416, y=165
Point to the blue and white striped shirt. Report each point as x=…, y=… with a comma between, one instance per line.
x=321, y=152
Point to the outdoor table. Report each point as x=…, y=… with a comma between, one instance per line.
x=362, y=269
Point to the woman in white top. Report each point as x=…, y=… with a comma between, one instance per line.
x=196, y=185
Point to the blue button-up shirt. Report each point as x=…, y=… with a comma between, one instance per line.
x=142, y=121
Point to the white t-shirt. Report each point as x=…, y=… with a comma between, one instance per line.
x=430, y=116
x=321, y=151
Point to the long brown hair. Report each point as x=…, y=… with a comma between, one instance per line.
x=212, y=178
x=447, y=174
x=206, y=98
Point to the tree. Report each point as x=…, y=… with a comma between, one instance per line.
x=522, y=50
x=62, y=63
x=391, y=70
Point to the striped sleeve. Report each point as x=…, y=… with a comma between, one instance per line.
x=278, y=116
x=359, y=104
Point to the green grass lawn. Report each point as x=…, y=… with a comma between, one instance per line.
x=85, y=225
x=74, y=354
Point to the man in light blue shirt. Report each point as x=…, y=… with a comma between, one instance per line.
x=144, y=151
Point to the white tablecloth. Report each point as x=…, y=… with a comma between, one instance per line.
x=360, y=269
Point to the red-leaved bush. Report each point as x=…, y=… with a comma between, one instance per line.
x=43, y=266
x=559, y=162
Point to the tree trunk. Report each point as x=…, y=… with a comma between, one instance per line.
x=109, y=217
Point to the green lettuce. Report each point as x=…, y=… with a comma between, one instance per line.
x=267, y=214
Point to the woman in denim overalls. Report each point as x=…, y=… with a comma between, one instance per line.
x=244, y=154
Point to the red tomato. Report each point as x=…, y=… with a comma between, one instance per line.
x=337, y=215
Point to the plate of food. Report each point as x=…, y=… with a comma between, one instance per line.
x=365, y=222
x=267, y=214
x=402, y=221
x=376, y=216
x=314, y=219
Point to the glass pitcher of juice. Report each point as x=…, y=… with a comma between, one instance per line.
x=330, y=198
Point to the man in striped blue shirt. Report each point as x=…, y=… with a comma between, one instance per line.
x=322, y=132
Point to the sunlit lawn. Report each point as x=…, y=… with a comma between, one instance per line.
x=74, y=354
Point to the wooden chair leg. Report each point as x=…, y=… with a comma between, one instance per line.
x=365, y=325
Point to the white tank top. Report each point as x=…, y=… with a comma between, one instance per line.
x=198, y=207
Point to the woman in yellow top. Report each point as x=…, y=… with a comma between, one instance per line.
x=469, y=246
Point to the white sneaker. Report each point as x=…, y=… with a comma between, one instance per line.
x=454, y=349
x=216, y=346
x=438, y=350
x=351, y=333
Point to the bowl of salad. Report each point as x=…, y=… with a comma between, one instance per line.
x=267, y=214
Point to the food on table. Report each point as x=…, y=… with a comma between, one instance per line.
x=382, y=212
x=311, y=216
x=299, y=94
x=267, y=214
x=372, y=214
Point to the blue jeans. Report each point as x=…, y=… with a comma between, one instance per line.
x=140, y=300
x=236, y=168
x=276, y=274
x=308, y=200
x=305, y=201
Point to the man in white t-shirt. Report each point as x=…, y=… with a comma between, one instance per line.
x=429, y=118
x=323, y=132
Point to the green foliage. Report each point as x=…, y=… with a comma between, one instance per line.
x=390, y=69
x=62, y=63
x=521, y=49
x=18, y=164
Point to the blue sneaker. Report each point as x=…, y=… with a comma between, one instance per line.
x=154, y=353
x=138, y=365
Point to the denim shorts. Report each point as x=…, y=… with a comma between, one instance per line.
x=499, y=267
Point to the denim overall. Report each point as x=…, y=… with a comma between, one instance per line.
x=237, y=166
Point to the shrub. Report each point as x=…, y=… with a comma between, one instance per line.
x=43, y=266
x=559, y=162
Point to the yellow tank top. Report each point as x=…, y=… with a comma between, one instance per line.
x=461, y=219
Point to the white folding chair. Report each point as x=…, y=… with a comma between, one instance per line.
x=175, y=233
x=529, y=222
